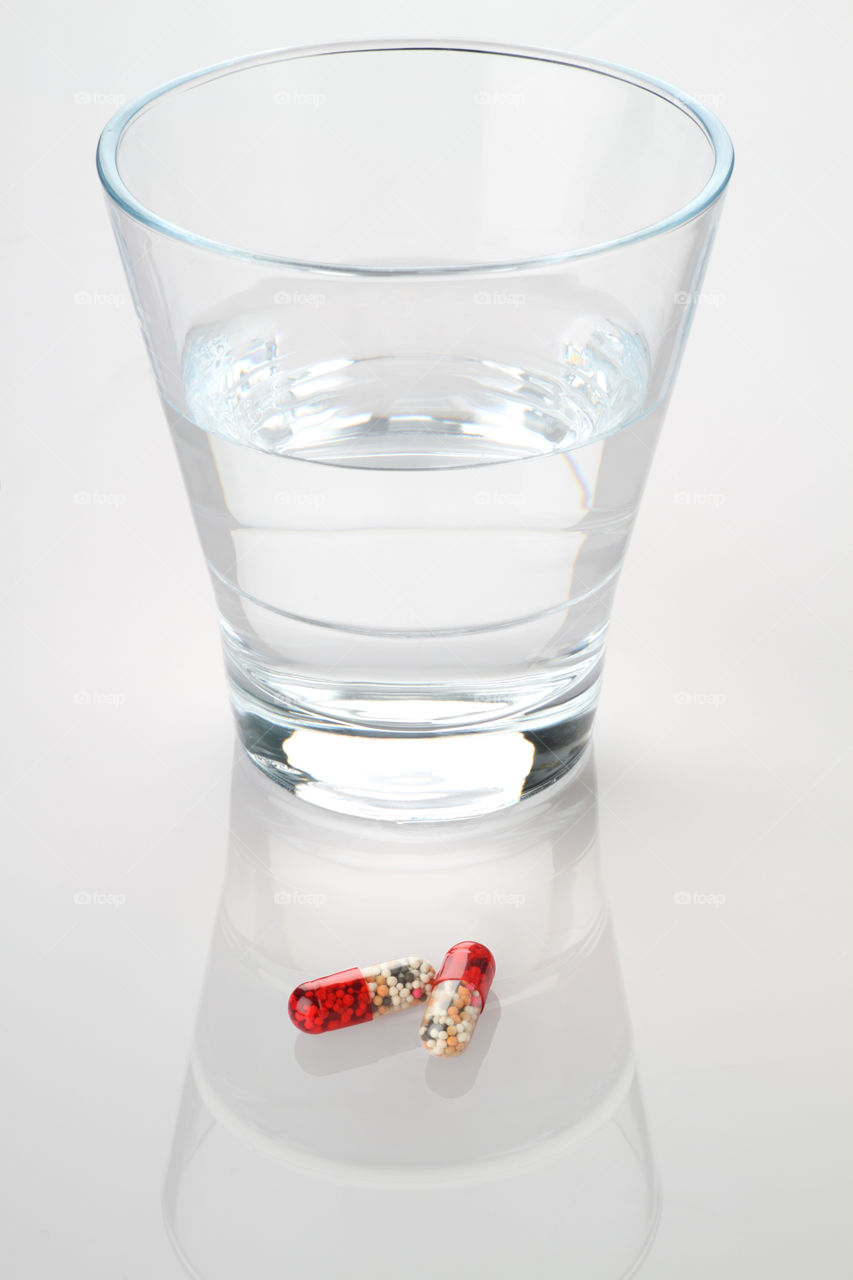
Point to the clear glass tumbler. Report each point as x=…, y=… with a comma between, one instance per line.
x=415, y=311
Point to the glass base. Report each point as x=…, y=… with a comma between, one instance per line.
x=407, y=776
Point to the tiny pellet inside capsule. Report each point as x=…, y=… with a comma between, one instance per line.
x=458, y=996
x=352, y=996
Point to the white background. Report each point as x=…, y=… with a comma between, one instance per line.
x=722, y=738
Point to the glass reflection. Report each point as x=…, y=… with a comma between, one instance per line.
x=356, y=1151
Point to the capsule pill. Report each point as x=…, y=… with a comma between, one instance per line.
x=352, y=996
x=458, y=996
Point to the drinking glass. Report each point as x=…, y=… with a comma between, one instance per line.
x=415, y=310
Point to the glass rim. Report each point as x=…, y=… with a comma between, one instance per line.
x=709, y=124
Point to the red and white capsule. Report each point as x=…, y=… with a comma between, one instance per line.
x=458, y=996
x=352, y=996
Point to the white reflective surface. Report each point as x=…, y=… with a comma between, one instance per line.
x=722, y=751
x=277, y=1130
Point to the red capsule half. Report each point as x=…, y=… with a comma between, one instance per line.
x=352, y=996
x=457, y=1000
